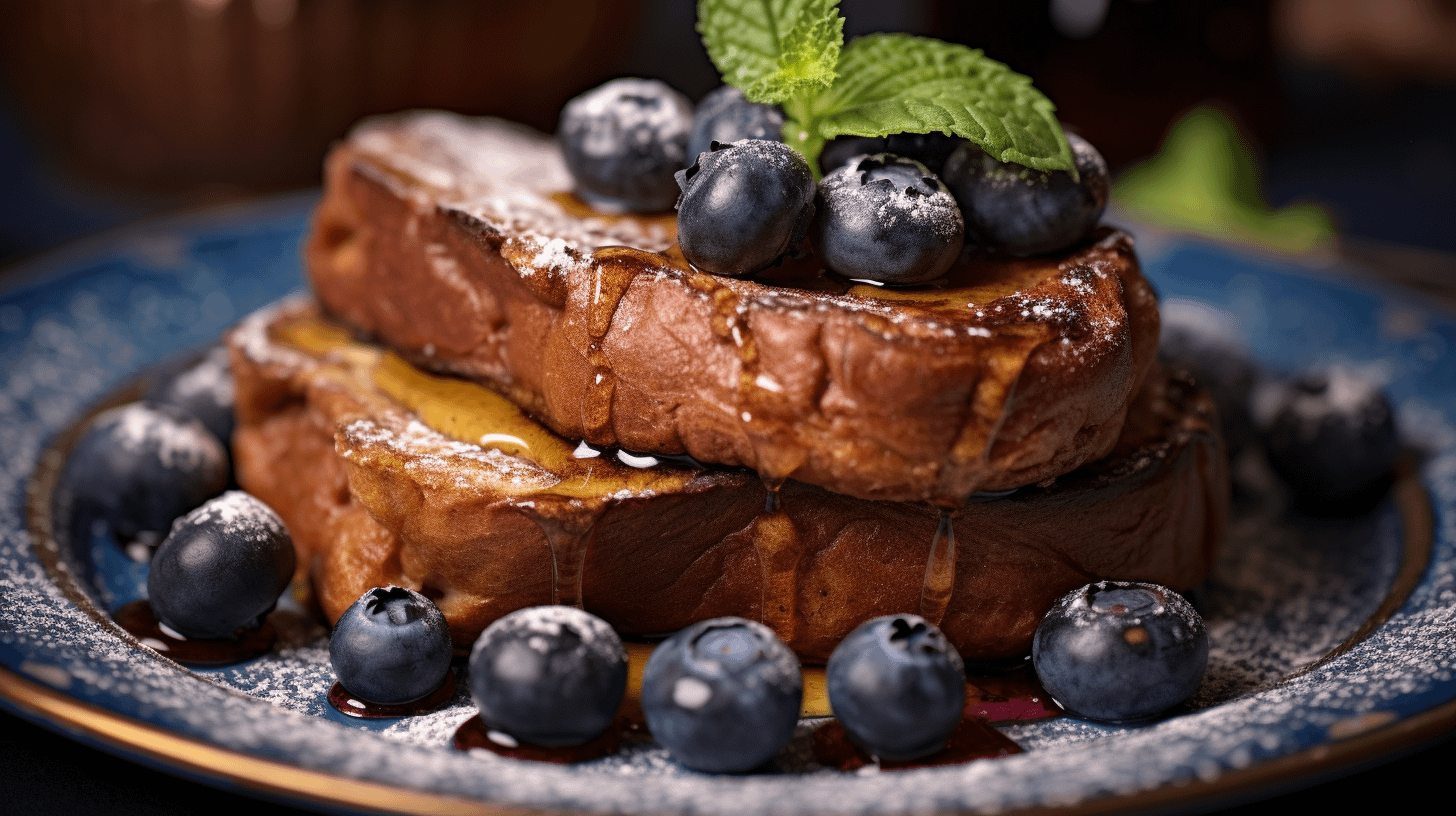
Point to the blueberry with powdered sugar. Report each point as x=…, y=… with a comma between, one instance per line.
x=744, y=206
x=1120, y=651
x=203, y=389
x=1331, y=436
x=897, y=686
x=722, y=695
x=135, y=469
x=222, y=568
x=548, y=675
x=1025, y=211
x=930, y=149
x=623, y=141
x=391, y=646
x=888, y=219
x=725, y=116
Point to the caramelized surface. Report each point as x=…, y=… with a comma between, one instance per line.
x=374, y=494
x=457, y=242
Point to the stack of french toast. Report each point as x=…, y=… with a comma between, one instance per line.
x=502, y=398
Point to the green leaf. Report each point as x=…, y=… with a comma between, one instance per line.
x=890, y=83
x=773, y=50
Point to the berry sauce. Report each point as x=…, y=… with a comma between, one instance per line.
x=971, y=739
x=137, y=618
x=474, y=733
x=350, y=706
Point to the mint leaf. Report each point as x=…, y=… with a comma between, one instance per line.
x=773, y=50
x=889, y=83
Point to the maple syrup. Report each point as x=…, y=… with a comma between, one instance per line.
x=349, y=705
x=138, y=619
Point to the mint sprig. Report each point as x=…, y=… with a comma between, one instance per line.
x=791, y=52
x=773, y=50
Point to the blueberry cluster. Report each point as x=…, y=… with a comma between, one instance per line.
x=894, y=209
x=1328, y=432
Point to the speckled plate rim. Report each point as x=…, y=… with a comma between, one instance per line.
x=1367, y=726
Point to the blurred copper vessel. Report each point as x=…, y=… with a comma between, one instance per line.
x=177, y=94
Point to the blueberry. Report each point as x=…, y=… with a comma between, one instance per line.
x=725, y=116
x=888, y=219
x=897, y=686
x=1120, y=651
x=203, y=389
x=1208, y=344
x=623, y=141
x=930, y=149
x=744, y=206
x=136, y=468
x=722, y=695
x=1023, y=211
x=222, y=568
x=1332, y=436
x=842, y=150
x=548, y=675
x=391, y=647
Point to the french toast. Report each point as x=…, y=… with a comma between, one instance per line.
x=457, y=243
x=386, y=474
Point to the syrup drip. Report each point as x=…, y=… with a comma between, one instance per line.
x=777, y=542
x=138, y=619
x=772, y=486
x=939, y=571
x=613, y=271
x=568, y=540
x=349, y=705
x=971, y=739
x=474, y=733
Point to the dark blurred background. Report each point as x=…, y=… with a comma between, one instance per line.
x=115, y=110
x=111, y=110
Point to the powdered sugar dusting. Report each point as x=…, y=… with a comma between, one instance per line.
x=505, y=175
x=178, y=444
x=427, y=455
x=536, y=626
x=240, y=515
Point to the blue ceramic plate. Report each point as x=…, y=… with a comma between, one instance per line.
x=1334, y=640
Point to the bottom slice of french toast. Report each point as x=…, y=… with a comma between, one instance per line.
x=387, y=475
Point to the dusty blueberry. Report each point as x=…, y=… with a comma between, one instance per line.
x=1120, y=651
x=897, y=686
x=722, y=695
x=725, y=116
x=222, y=567
x=202, y=389
x=887, y=219
x=136, y=468
x=930, y=149
x=1208, y=344
x=1023, y=211
x=1332, y=436
x=842, y=150
x=744, y=206
x=391, y=647
x=622, y=142
x=548, y=675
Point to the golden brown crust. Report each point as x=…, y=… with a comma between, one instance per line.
x=373, y=497
x=453, y=241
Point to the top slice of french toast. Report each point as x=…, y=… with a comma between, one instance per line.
x=457, y=242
